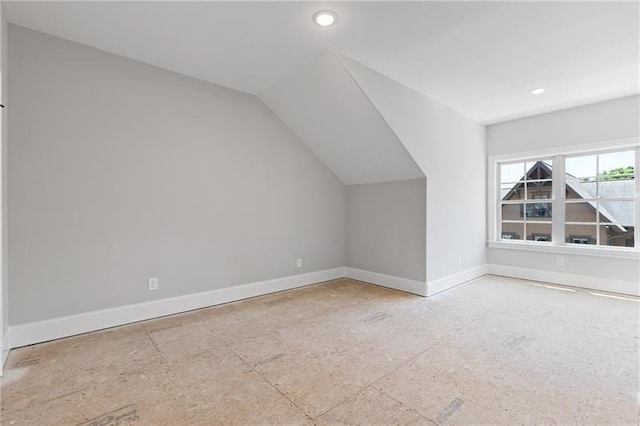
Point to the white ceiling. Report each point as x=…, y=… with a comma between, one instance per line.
x=324, y=106
x=480, y=58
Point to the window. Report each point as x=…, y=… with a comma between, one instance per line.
x=575, y=199
x=524, y=185
x=600, y=198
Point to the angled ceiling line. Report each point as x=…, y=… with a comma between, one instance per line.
x=373, y=104
x=325, y=107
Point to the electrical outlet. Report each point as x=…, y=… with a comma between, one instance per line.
x=458, y=261
x=153, y=284
x=299, y=262
x=560, y=261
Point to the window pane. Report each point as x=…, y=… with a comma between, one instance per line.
x=617, y=212
x=540, y=169
x=618, y=236
x=511, y=172
x=538, y=211
x=540, y=231
x=581, y=167
x=580, y=234
x=581, y=188
x=580, y=212
x=620, y=187
x=512, y=231
x=512, y=211
x=512, y=191
x=616, y=165
x=539, y=190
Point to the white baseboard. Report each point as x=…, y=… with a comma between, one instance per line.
x=6, y=345
x=56, y=328
x=574, y=280
x=445, y=283
x=397, y=283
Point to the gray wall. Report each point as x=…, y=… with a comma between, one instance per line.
x=4, y=291
x=386, y=228
x=120, y=171
x=605, y=121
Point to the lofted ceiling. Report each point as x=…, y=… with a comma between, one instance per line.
x=326, y=108
x=480, y=58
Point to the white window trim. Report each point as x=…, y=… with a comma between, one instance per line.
x=558, y=245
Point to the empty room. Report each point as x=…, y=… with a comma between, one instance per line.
x=320, y=213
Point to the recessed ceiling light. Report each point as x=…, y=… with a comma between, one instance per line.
x=325, y=18
x=537, y=91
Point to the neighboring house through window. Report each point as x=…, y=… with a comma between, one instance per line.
x=524, y=215
x=583, y=198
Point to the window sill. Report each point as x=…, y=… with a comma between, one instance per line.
x=619, y=253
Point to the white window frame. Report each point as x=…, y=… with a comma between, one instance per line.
x=557, y=243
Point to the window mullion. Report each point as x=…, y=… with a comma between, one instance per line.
x=598, y=199
x=637, y=200
x=497, y=232
x=557, y=221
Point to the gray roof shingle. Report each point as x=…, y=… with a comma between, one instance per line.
x=621, y=211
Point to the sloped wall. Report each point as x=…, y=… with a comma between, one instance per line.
x=450, y=150
x=325, y=106
x=327, y=110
